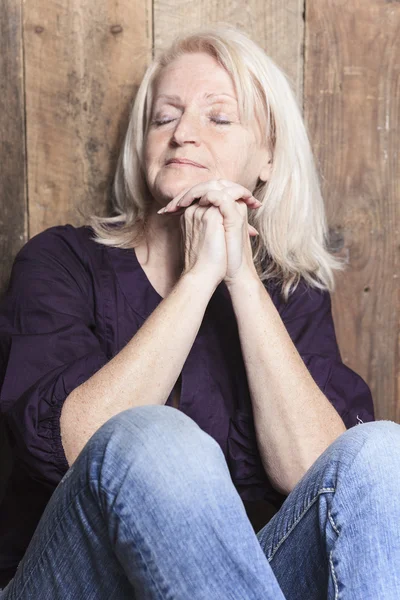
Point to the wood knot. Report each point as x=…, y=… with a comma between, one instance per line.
x=115, y=29
x=39, y=29
x=336, y=239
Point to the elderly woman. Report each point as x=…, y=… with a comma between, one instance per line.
x=169, y=365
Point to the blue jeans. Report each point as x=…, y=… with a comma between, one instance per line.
x=149, y=511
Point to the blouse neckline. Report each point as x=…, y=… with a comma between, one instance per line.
x=142, y=297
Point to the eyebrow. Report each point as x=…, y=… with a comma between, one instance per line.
x=206, y=96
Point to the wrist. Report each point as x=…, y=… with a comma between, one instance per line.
x=248, y=280
x=199, y=281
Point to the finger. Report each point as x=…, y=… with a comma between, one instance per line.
x=250, y=201
x=206, y=199
x=231, y=211
x=188, y=196
x=233, y=185
x=235, y=190
x=194, y=214
x=202, y=210
x=196, y=192
x=252, y=231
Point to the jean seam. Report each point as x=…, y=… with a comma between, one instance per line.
x=335, y=580
x=292, y=527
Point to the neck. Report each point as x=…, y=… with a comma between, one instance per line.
x=162, y=247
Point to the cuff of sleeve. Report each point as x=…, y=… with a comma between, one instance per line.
x=73, y=376
x=346, y=390
x=34, y=418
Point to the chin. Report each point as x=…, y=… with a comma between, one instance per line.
x=167, y=190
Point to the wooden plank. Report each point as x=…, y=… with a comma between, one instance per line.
x=13, y=223
x=352, y=88
x=278, y=27
x=84, y=62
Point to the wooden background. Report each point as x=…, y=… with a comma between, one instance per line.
x=69, y=72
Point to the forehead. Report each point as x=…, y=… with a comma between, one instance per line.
x=192, y=75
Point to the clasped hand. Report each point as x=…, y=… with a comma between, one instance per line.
x=215, y=228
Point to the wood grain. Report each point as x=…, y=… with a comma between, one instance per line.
x=277, y=26
x=13, y=225
x=351, y=92
x=84, y=61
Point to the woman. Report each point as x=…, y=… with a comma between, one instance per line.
x=169, y=302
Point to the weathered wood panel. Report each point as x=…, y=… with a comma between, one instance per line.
x=352, y=90
x=83, y=62
x=13, y=223
x=277, y=26
x=13, y=226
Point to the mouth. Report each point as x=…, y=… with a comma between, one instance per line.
x=183, y=162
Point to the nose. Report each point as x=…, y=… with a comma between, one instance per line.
x=187, y=130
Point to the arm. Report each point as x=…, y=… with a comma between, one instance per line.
x=294, y=420
x=144, y=372
x=49, y=351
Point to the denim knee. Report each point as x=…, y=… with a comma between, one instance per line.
x=151, y=444
x=374, y=446
x=153, y=426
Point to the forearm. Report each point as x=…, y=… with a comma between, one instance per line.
x=144, y=371
x=294, y=421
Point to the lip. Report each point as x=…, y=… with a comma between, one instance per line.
x=184, y=161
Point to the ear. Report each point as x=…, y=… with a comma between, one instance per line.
x=265, y=171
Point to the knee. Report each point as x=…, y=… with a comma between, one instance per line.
x=152, y=444
x=373, y=448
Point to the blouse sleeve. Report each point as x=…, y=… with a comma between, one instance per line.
x=308, y=318
x=47, y=346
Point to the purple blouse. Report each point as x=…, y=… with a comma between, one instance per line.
x=72, y=305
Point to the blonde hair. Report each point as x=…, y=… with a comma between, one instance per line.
x=292, y=225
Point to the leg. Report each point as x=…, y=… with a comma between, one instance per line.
x=338, y=530
x=147, y=511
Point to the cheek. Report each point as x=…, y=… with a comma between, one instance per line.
x=150, y=170
x=231, y=163
x=147, y=151
x=233, y=158
x=153, y=145
x=151, y=156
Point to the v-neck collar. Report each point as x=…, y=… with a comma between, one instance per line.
x=136, y=287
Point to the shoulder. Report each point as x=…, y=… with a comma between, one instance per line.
x=62, y=255
x=59, y=244
x=56, y=238
x=304, y=299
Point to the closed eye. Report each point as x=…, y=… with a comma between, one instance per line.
x=160, y=122
x=216, y=120
x=220, y=121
